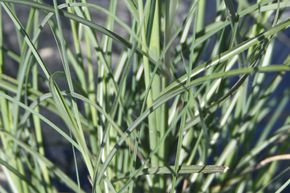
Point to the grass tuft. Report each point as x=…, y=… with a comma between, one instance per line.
x=144, y=96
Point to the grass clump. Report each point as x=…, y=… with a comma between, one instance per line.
x=161, y=99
